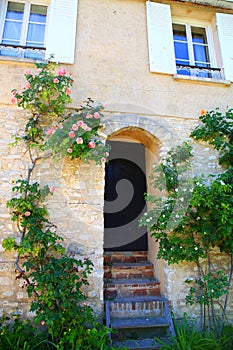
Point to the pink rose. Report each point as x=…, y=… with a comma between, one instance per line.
x=27, y=85
x=79, y=141
x=91, y=144
x=69, y=150
x=89, y=116
x=55, y=80
x=14, y=100
x=27, y=213
x=96, y=115
x=14, y=92
x=61, y=72
x=80, y=123
x=68, y=91
x=84, y=126
x=103, y=160
x=50, y=131
x=75, y=127
x=107, y=154
x=39, y=70
x=71, y=134
x=52, y=189
x=28, y=71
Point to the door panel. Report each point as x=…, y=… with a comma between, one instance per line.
x=125, y=186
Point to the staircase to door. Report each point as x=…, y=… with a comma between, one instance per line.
x=134, y=306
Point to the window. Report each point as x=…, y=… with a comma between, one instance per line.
x=192, y=53
x=177, y=46
x=38, y=29
x=24, y=27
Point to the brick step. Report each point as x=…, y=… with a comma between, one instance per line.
x=142, y=269
x=131, y=287
x=129, y=257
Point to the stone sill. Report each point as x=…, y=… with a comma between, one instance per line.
x=199, y=80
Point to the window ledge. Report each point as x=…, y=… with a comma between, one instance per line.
x=189, y=78
x=21, y=59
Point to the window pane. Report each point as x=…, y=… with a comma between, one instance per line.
x=36, y=27
x=179, y=32
x=15, y=11
x=38, y=14
x=199, y=35
x=35, y=35
x=181, y=51
x=11, y=33
x=201, y=56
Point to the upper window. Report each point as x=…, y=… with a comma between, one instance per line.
x=38, y=29
x=192, y=53
x=24, y=27
x=185, y=47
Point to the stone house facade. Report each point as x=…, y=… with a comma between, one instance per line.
x=155, y=65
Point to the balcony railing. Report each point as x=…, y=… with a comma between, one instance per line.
x=200, y=72
x=19, y=51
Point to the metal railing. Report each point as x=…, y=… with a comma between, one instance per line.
x=201, y=72
x=20, y=51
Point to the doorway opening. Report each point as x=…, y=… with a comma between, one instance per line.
x=125, y=187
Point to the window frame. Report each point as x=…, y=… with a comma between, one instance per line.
x=25, y=21
x=188, y=23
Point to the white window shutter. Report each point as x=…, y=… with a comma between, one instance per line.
x=60, y=41
x=160, y=38
x=225, y=34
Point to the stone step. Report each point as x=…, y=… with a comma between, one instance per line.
x=130, y=257
x=142, y=269
x=139, y=322
x=131, y=287
x=138, y=344
x=140, y=327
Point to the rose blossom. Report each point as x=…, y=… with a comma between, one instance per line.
x=75, y=127
x=89, y=116
x=69, y=150
x=103, y=160
x=27, y=85
x=68, y=91
x=80, y=123
x=14, y=100
x=50, y=131
x=61, y=72
x=52, y=189
x=91, y=144
x=202, y=112
x=27, y=213
x=28, y=71
x=79, y=141
x=96, y=115
x=71, y=134
x=55, y=80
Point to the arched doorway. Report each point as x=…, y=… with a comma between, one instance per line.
x=125, y=187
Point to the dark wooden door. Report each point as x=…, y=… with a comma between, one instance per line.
x=125, y=187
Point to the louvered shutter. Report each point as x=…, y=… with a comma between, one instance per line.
x=160, y=38
x=62, y=30
x=225, y=34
